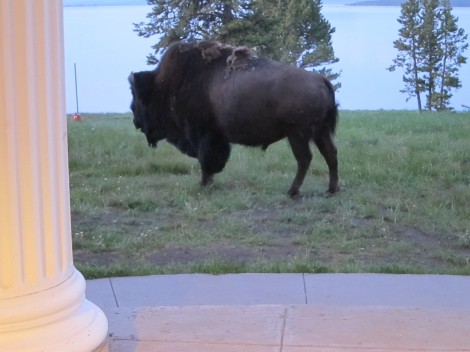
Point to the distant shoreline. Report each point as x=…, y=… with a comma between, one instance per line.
x=454, y=3
x=93, y=3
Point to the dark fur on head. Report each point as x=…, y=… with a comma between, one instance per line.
x=143, y=98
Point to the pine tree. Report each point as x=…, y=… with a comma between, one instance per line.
x=408, y=46
x=174, y=20
x=431, y=50
x=289, y=31
x=454, y=43
x=306, y=35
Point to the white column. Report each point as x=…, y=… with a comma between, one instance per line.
x=42, y=295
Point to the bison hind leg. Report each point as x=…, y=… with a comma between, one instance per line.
x=213, y=153
x=327, y=148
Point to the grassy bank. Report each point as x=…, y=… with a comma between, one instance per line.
x=404, y=205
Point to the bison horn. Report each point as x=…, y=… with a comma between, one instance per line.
x=131, y=78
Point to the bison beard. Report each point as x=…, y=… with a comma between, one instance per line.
x=205, y=95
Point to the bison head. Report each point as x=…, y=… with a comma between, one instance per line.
x=144, y=106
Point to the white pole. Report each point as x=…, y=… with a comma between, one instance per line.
x=76, y=87
x=42, y=295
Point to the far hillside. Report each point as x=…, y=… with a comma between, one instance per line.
x=454, y=3
x=72, y=3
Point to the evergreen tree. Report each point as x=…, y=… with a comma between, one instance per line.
x=174, y=20
x=430, y=50
x=306, y=35
x=408, y=46
x=289, y=31
x=454, y=43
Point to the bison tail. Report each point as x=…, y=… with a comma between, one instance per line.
x=332, y=113
x=332, y=118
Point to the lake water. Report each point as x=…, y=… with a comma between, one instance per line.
x=101, y=41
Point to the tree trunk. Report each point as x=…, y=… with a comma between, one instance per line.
x=443, y=75
x=415, y=70
x=227, y=16
x=418, y=97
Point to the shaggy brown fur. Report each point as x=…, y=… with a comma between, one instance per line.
x=189, y=101
x=242, y=58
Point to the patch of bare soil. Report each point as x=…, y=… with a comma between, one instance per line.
x=274, y=233
x=192, y=255
x=100, y=259
x=280, y=236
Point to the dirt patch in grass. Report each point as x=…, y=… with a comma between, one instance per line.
x=265, y=236
x=193, y=255
x=100, y=258
x=280, y=237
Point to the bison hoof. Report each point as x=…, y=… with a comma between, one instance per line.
x=207, y=180
x=293, y=193
x=332, y=190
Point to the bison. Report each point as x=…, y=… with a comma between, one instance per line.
x=205, y=95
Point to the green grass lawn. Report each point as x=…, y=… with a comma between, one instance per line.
x=404, y=206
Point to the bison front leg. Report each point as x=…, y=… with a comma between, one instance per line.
x=303, y=155
x=213, y=153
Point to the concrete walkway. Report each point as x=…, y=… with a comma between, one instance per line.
x=285, y=312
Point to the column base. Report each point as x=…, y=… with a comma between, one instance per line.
x=59, y=319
